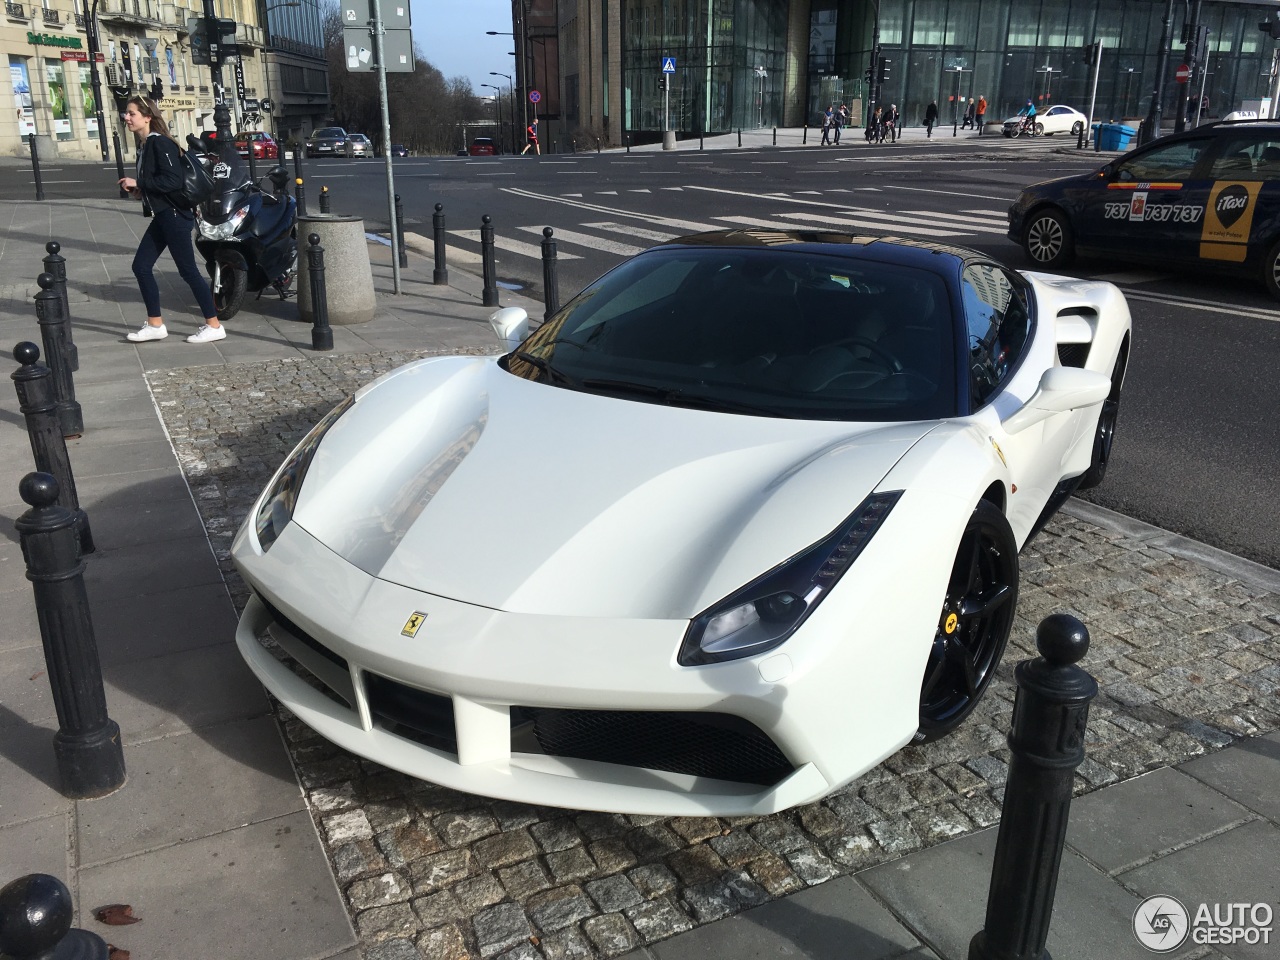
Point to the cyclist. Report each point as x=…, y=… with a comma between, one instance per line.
x=1028, y=115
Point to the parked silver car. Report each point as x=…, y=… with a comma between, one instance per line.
x=327, y=142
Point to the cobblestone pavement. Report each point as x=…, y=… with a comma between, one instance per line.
x=1186, y=658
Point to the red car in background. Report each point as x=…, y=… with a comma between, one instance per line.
x=483, y=147
x=263, y=144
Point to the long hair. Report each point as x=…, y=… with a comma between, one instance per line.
x=147, y=107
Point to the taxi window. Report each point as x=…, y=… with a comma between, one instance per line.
x=998, y=322
x=1172, y=161
x=1248, y=159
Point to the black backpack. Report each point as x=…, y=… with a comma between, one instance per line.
x=197, y=184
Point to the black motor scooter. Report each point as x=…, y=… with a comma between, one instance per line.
x=249, y=238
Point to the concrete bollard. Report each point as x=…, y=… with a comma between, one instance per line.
x=550, y=278
x=325, y=201
x=490, y=270
x=35, y=166
x=1050, y=712
x=56, y=266
x=53, y=332
x=34, y=385
x=403, y=252
x=321, y=332
x=35, y=922
x=348, y=273
x=440, y=277
x=87, y=745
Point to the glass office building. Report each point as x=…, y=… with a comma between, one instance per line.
x=761, y=63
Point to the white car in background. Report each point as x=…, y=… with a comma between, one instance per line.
x=1057, y=119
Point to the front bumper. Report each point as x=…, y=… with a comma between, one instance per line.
x=352, y=675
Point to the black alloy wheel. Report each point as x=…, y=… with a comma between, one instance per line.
x=1077, y=128
x=1271, y=271
x=229, y=294
x=1106, y=432
x=973, y=628
x=1048, y=240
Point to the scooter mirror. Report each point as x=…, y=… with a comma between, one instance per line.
x=279, y=176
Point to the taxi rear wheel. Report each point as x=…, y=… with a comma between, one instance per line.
x=1048, y=239
x=1271, y=271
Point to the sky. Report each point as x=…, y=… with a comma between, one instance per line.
x=452, y=34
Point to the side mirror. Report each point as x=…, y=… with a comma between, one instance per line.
x=279, y=176
x=1061, y=389
x=511, y=324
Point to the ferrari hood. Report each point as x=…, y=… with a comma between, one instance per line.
x=453, y=477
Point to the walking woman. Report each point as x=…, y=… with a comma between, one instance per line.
x=159, y=174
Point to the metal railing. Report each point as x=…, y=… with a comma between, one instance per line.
x=80, y=21
x=51, y=17
x=15, y=10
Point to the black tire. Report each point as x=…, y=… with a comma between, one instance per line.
x=229, y=297
x=1105, y=435
x=1077, y=128
x=1048, y=239
x=973, y=628
x=1037, y=130
x=1013, y=132
x=1271, y=271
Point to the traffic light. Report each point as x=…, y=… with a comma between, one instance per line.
x=157, y=89
x=1089, y=52
x=882, y=70
x=1271, y=28
x=868, y=74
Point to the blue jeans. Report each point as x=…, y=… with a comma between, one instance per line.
x=173, y=230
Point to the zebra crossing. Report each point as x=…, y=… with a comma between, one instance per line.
x=627, y=233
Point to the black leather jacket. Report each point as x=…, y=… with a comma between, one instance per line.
x=160, y=174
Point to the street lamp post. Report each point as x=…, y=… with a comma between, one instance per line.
x=511, y=80
x=497, y=104
x=91, y=33
x=762, y=75
x=1151, y=126
x=1048, y=72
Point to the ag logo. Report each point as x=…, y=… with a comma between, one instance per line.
x=1161, y=924
x=1231, y=205
x=413, y=624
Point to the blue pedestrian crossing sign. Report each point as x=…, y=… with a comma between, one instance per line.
x=668, y=64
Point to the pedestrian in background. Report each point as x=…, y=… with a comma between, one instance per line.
x=532, y=130
x=980, y=113
x=968, y=115
x=892, y=119
x=930, y=117
x=842, y=120
x=826, y=128
x=159, y=175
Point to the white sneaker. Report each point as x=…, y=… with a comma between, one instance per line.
x=147, y=332
x=208, y=334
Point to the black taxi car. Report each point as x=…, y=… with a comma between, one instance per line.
x=1209, y=197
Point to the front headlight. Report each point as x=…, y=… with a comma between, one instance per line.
x=225, y=230
x=276, y=507
x=764, y=613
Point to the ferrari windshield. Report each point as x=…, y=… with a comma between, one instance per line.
x=765, y=332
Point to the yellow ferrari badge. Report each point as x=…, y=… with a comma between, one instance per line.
x=952, y=622
x=999, y=452
x=413, y=624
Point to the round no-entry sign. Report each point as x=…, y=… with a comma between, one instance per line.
x=534, y=96
x=1183, y=74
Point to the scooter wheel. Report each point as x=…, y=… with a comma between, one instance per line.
x=229, y=295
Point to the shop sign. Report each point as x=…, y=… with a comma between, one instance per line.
x=51, y=40
x=179, y=103
x=82, y=56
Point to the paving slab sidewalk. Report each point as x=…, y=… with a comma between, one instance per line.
x=212, y=840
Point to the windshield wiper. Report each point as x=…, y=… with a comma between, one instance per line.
x=677, y=398
x=546, y=368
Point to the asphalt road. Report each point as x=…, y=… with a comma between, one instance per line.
x=1198, y=444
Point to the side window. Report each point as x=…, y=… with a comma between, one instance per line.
x=1254, y=158
x=1173, y=161
x=998, y=324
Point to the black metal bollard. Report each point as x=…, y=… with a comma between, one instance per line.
x=597, y=144
x=550, y=278
x=490, y=293
x=53, y=332
x=34, y=385
x=299, y=191
x=627, y=137
x=115, y=146
x=775, y=136
x=325, y=202
x=87, y=745
x=403, y=251
x=1080, y=138
x=1047, y=741
x=253, y=164
x=739, y=136
x=56, y=266
x=35, y=922
x=701, y=137
x=35, y=166
x=804, y=136
x=440, y=276
x=321, y=332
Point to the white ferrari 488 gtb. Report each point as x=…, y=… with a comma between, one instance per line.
x=736, y=523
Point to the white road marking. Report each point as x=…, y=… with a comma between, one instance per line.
x=896, y=218
x=887, y=223
x=606, y=193
x=641, y=190
x=586, y=240
x=688, y=226
x=950, y=193
x=627, y=230
x=514, y=246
